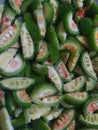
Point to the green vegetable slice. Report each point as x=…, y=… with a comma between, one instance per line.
x=75, y=85
x=90, y=84
x=27, y=43
x=90, y=120
x=87, y=65
x=91, y=106
x=76, y=98
x=16, y=83
x=55, y=78
x=22, y=98
x=14, y=67
x=64, y=120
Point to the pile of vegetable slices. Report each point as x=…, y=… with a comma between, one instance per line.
x=49, y=65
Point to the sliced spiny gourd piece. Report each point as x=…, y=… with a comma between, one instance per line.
x=16, y=83
x=55, y=5
x=49, y=101
x=55, y=78
x=14, y=66
x=48, y=12
x=2, y=98
x=90, y=84
x=5, y=122
x=16, y=4
x=69, y=25
x=90, y=120
x=1, y=9
x=39, y=124
x=75, y=84
x=53, y=114
x=72, y=125
x=22, y=98
x=63, y=72
x=76, y=98
x=87, y=65
x=40, y=68
x=95, y=64
x=10, y=35
x=7, y=18
x=40, y=20
x=64, y=120
x=74, y=46
x=6, y=56
x=42, y=91
x=43, y=53
x=32, y=27
x=91, y=106
x=36, y=111
x=16, y=45
x=27, y=43
x=93, y=39
x=62, y=35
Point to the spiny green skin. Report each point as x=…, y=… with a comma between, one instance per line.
x=92, y=39
x=95, y=20
x=52, y=37
x=14, y=7
x=39, y=124
x=64, y=8
x=39, y=89
x=79, y=85
x=90, y=101
x=15, y=84
x=15, y=72
x=54, y=53
x=25, y=5
x=76, y=101
x=42, y=71
x=66, y=23
x=48, y=12
x=10, y=103
x=91, y=85
x=13, y=39
x=19, y=121
x=93, y=76
x=32, y=27
x=92, y=11
x=85, y=26
x=21, y=103
x=89, y=124
x=69, y=121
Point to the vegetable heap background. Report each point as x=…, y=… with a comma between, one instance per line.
x=49, y=65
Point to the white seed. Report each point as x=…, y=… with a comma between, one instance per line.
x=11, y=32
x=7, y=35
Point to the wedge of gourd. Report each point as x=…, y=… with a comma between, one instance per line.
x=16, y=83
x=27, y=43
x=10, y=35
